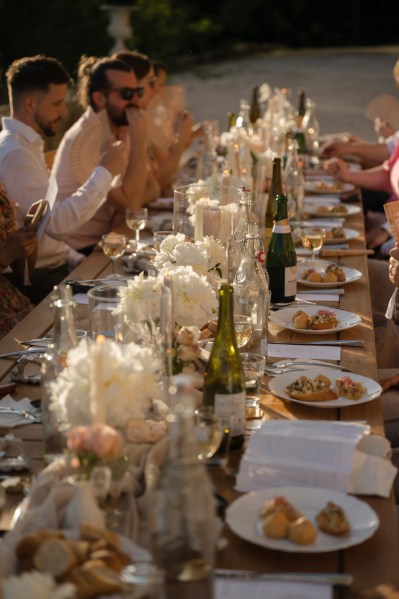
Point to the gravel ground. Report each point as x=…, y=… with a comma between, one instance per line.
x=341, y=81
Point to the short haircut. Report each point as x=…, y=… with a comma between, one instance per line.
x=138, y=62
x=159, y=66
x=92, y=76
x=34, y=73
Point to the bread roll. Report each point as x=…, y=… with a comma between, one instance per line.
x=302, y=532
x=55, y=556
x=92, y=533
x=275, y=525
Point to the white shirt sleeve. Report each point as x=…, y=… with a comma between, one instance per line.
x=72, y=212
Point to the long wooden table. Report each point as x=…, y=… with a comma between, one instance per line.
x=375, y=563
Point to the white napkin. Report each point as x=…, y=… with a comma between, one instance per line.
x=390, y=313
x=162, y=221
x=326, y=199
x=261, y=589
x=318, y=297
x=12, y=420
x=315, y=352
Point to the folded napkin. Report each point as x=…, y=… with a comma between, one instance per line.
x=12, y=420
x=162, y=221
x=318, y=297
x=312, y=352
x=259, y=589
x=334, y=455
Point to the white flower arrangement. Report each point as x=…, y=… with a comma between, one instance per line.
x=130, y=382
x=194, y=301
x=35, y=585
x=202, y=256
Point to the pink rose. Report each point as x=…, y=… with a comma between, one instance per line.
x=185, y=336
x=105, y=441
x=78, y=439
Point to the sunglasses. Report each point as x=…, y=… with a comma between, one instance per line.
x=127, y=93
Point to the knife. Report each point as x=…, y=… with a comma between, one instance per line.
x=321, y=291
x=329, y=252
x=23, y=352
x=346, y=342
x=337, y=579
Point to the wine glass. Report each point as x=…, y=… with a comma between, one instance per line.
x=114, y=245
x=208, y=432
x=243, y=329
x=313, y=239
x=136, y=219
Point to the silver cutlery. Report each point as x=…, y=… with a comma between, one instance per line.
x=23, y=352
x=343, y=342
x=293, y=363
x=322, y=291
x=336, y=579
x=34, y=415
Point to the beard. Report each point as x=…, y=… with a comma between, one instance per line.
x=48, y=128
x=116, y=116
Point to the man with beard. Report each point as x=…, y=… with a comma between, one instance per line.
x=37, y=89
x=108, y=91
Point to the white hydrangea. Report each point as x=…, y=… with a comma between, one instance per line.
x=194, y=299
x=36, y=585
x=131, y=381
x=140, y=299
x=202, y=256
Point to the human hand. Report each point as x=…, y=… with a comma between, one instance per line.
x=389, y=383
x=331, y=149
x=337, y=168
x=376, y=237
x=114, y=158
x=394, y=266
x=138, y=125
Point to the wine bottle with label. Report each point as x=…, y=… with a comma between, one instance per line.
x=224, y=386
x=276, y=188
x=281, y=257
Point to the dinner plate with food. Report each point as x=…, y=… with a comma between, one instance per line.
x=326, y=274
x=301, y=519
x=314, y=320
x=332, y=209
x=325, y=388
x=339, y=235
x=328, y=186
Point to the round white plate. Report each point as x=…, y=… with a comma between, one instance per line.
x=279, y=383
x=283, y=317
x=243, y=518
x=347, y=210
x=348, y=235
x=351, y=274
x=325, y=186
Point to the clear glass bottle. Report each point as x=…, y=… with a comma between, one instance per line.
x=181, y=511
x=276, y=188
x=251, y=288
x=311, y=127
x=55, y=360
x=281, y=257
x=294, y=182
x=244, y=216
x=224, y=386
x=243, y=121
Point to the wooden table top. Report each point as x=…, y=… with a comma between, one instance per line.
x=374, y=563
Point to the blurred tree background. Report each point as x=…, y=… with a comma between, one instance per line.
x=181, y=32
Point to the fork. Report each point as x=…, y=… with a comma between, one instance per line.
x=287, y=363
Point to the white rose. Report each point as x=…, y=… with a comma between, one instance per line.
x=140, y=299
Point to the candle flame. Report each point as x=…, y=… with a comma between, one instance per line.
x=100, y=339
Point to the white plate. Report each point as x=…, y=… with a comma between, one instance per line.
x=348, y=235
x=243, y=518
x=325, y=186
x=279, y=383
x=351, y=274
x=348, y=210
x=346, y=320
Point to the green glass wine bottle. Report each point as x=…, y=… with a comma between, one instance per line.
x=224, y=386
x=276, y=188
x=281, y=257
x=300, y=112
x=254, y=111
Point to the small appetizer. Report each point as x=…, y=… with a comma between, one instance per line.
x=306, y=389
x=346, y=387
x=332, y=520
x=323, y=320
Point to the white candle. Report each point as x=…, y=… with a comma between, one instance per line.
x=97, y=391
x=198, y=223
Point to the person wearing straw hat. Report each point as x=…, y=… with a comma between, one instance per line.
x=108, y=91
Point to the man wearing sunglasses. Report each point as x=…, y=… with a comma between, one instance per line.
x=109, y=92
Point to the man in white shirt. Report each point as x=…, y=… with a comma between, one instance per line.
x=108, y=90
x=37, y=90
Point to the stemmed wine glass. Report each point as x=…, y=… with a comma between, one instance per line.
x=114, y=245
x=136, y=219
x=243, y=328
x=313, y=239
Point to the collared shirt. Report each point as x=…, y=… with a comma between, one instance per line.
x=23, y=174
x=81, y=215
